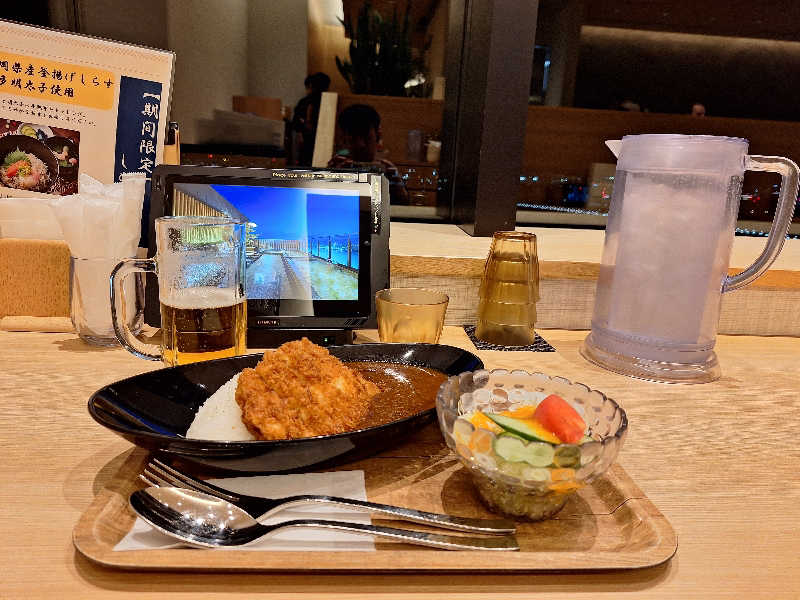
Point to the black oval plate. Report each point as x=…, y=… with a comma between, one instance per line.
x=154, y=411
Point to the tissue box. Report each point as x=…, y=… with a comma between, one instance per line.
x=34, y=278
x=28, y=218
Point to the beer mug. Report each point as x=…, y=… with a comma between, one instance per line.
x=200, y=267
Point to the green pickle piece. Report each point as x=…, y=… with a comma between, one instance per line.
x=539, y=454
x=514, y=449
x=536, y=474
x=514, y=469
x=567, y=456
x=520, y=428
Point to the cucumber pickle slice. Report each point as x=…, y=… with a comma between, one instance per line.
x=567, y=457
x=514, y=449
x=522, y=429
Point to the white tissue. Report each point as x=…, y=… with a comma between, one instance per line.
x=102, y=220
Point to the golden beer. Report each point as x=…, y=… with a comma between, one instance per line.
x=200, y=265
x=202, y=323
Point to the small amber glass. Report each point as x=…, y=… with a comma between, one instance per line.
x=410, y=315
x=509, y=290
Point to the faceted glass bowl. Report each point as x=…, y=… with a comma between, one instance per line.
x=518, y=489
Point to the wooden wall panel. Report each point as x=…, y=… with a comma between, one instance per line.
x=771, y=19
x=568, y=140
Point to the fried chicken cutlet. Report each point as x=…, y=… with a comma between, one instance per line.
x=301, y=390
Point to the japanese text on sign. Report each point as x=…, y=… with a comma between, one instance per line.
x=60, y=82
x=147, y=139
x=27, y=111
x=136, y=149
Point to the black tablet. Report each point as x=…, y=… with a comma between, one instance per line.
x=317, y=246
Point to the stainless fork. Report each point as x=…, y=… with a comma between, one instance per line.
x=158, y=473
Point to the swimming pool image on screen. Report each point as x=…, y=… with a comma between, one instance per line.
x=302, y=244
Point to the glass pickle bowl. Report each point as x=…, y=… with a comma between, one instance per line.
x=520, y=489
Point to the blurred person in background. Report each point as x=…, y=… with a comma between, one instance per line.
x=360, y=126
x=698, y=109
x=306, y=115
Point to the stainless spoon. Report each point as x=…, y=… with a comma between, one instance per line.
x=202, y=520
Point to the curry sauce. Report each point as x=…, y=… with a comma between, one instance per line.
x=405, y=390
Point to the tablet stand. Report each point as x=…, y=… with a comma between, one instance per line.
x=272, y=338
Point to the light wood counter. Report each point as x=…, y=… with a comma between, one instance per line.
x=444, y=257
x=719, y=460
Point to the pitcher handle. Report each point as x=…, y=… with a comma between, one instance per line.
x=118, y=318
x=780, y=223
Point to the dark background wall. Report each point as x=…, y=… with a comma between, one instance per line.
x=34, y=12
x=666, y=72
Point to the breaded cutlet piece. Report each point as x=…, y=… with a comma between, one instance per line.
x=301, y=390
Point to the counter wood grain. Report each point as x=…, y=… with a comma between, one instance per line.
x=719, y=460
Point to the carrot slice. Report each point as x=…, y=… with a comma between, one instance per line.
x=563, y=480
x=565, y=486
x=481, y=441
x=562, y=474
x=542, y=433
x=557, y=415
x=523, y=412
x=481, y=421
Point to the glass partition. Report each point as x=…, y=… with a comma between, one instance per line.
x=601, y=70
x=619, y=68
x=250, y=76
x=405, y=87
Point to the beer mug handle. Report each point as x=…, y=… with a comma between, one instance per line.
x=118, y=317
x=780, y=223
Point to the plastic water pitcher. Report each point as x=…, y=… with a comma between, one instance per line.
x=667, y=248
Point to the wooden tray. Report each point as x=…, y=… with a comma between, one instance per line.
x=609, y=525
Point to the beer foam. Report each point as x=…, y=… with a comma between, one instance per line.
x=220, y=418
x=200, y=297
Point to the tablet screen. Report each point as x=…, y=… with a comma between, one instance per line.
x=303, y=246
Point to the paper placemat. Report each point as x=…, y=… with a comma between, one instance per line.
x=349, y=484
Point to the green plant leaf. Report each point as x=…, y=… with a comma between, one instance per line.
x=382, y=59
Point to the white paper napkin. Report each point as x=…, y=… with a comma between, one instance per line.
x=102, y=220
x=349, y=484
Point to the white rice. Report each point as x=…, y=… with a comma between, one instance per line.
x=220, y=417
